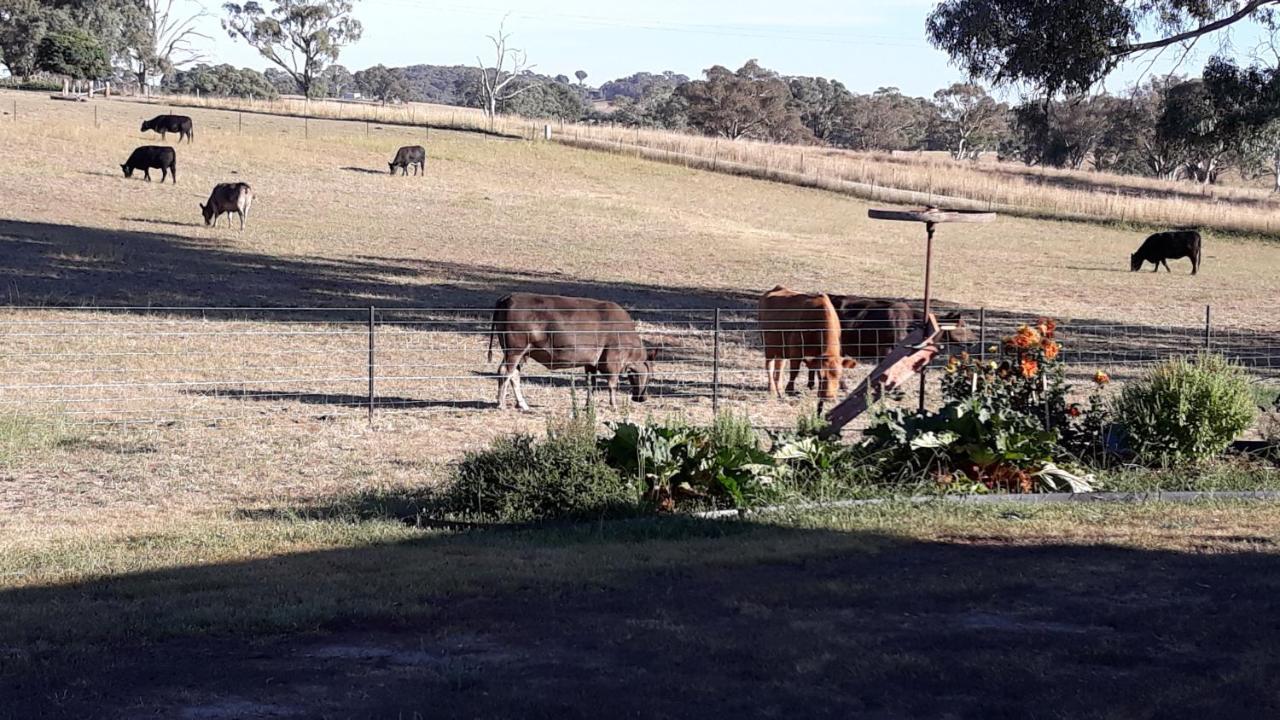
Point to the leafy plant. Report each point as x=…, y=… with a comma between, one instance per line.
x=1187, y=409
x=520, y=479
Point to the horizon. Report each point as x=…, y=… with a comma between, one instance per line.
x=561, y=36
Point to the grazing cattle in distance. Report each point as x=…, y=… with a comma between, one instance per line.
x=1165, y=246
x=801, y=328
x=152, y=156
x=410, y=155
x=164, y=124
x=564, y=333
x=227, y=198
x=871, y=328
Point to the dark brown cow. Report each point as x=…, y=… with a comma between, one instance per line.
x=227, y=198
x=564, y=333
x=1162, y=247
x=801, y=328
x=165, y=124
x=870, y=328
x=414, y=156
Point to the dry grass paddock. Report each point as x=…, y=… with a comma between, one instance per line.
x=331, y=229
x=924, y=178
x=227, y=554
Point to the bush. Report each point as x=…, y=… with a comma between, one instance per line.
x=519, y=479
x=1188, y=409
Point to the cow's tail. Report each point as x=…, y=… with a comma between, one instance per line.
x=493, y=330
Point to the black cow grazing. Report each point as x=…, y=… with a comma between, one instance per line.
x=1165, y=246
x=410, y=155
x=163, y=124
x=870, y=328
x=227, y=198
x=568, y=332
x=152, y=156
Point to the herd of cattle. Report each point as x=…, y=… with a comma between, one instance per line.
x=827, y=334
x=226, y=198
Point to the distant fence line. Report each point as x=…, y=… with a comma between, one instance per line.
x=156, y=365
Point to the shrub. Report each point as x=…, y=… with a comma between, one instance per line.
x=1002, y=425
x=519, y=479
x=1188, y=409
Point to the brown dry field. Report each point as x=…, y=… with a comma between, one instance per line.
x=238, y=409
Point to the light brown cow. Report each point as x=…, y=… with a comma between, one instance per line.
x=801, y=328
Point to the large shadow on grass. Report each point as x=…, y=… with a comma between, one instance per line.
x=660, y=618
x=66, y=265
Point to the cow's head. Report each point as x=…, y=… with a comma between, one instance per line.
x=146, y=125
x=639, y=373
x=392, y=166
x=1135, y=262
x=207, y=212
x=128, y=171
x=961, y=333
x=830, y=368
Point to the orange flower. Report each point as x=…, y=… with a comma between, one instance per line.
x=1101, y=378
x=1051, y=349
x=1025, y=339
x=1030, y=368
x=1046, y=326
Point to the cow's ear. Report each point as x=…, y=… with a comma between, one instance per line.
x=849, y=363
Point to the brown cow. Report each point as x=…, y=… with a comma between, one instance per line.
x=227, y=198
x=871, y=328
x=568, y=332
x=805, y=329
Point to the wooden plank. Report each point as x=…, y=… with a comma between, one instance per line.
x=933, y=215
x=907, y=359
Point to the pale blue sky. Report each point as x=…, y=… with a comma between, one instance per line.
x=864, y=43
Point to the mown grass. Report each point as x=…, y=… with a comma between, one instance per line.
x=249, y=576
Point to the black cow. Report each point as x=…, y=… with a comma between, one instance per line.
x=227, y=198
x=163, y=124
x=568, y=332
x=410, y=155
x=1165, y=246
x=870, y=328
x=152, y=156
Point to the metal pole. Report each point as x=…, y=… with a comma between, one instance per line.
x=928, y=299
x=715, y=367
x=982, y=334
x=1208, y=326
x=371, y=366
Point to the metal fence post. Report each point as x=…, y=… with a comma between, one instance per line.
x=982, y=334
x=715, y=367
x=371, y=365
x=1208, y=326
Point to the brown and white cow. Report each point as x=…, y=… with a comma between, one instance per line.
x=564, y=333
x=870, y=328
x=800, y=328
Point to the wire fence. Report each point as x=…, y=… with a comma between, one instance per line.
x=168, y=365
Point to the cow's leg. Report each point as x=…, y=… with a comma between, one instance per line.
x=241, y=214
x=519, y=395
x=506, y=377
x=164, y=175
x=769, y=364
x=613, y=390
x=795, y=371
x=146, y=174
x=1166, y=266
x=813, y=378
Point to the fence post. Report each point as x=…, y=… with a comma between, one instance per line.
x=371, y=365
x=1208, y=326
x=306, y=128
x=982, y=334
x=715, y=367
x=95, y=117
x=239, y=123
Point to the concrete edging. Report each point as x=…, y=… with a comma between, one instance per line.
x=1028, y=499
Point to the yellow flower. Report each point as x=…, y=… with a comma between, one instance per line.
x=1101, y=378
x=1030, y=368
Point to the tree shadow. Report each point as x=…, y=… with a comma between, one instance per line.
x=657, y=618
